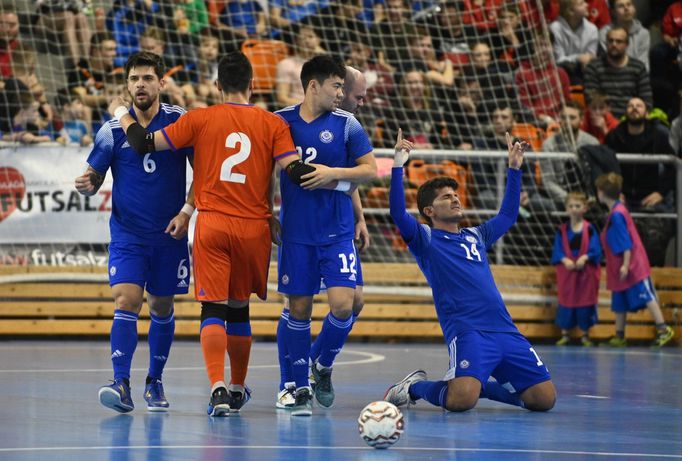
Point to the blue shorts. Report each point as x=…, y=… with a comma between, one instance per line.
x=359, y=281
x=302, y=268
x=634, y=298
x=508, y=357
x=162, y=271
x=584, y=317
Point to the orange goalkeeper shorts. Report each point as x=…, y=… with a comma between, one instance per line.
x=231, y=257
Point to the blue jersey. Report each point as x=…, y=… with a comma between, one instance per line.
x=456, y=265
x=594, y=253
x=148, y=190
x=617, y=235
x=321, y=216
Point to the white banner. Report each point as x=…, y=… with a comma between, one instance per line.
x=38, y=201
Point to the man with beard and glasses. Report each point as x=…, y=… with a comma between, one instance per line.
x=149, y=223
x=648, y=187
x=618, y=75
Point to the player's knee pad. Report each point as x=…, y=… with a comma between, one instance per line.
x=213, y=310
x=237, y=314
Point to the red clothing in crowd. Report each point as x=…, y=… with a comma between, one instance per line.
x=586, y=125
x=538, y=89
x=672, y=20
x=597, y=12
x=484, y=16
x=5, y=58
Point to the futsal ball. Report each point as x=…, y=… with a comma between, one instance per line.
x=380, y=424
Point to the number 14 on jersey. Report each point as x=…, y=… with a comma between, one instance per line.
x=471, y=251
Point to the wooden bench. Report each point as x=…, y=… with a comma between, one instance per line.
x=398, y=304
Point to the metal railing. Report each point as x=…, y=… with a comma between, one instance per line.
x=502, y=158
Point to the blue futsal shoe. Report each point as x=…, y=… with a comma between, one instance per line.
x=117, y=396
x=155, y=397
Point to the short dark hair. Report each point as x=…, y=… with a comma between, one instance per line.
x=321, y=68
x=145, y=59
x=428, y=191
x=621, y=28
x=97, y=39
x=234, y=72
x=574, y=105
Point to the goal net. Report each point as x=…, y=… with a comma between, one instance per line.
x=453, y=75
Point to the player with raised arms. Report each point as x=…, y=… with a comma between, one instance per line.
x=236, y=145
x=149, y=222
x=318, y=227
x=489, y=357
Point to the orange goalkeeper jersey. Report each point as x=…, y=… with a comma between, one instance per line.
x=235, y=148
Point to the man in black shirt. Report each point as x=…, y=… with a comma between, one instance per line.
x=646, y=186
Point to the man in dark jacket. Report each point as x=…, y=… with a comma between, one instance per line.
x=646, y=187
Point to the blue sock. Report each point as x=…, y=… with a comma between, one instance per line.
x=317, y=344
x=335, y=333
x=238, y=329
x=285, y=373
x=161, y=332
x=434, y=392
x=297, y=340
x=123, y=342
x=316, y=348
x=495, y=391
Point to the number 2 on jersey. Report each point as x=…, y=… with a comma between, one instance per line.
x=230, y=162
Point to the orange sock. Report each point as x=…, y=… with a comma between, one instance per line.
x=239, y=349
x=213, y=344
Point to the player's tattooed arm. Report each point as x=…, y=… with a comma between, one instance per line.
x=89, y=182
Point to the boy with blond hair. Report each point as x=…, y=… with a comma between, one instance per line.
x=576, y=256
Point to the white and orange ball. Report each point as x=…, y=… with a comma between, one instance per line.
x=380, y=424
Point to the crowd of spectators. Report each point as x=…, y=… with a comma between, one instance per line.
x=449, y=72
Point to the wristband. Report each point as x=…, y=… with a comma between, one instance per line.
x=187, y=209
x=343, y=186
x=120, y=111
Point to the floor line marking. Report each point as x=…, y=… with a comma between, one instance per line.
x=353, y=448
x=370, y=357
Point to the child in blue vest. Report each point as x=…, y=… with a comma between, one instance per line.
x=628, y=274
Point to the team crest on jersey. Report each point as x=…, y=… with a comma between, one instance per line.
x=112, y=271
x=470, y=239
x=464, y=364
x=285, y=279
x=326, y=136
